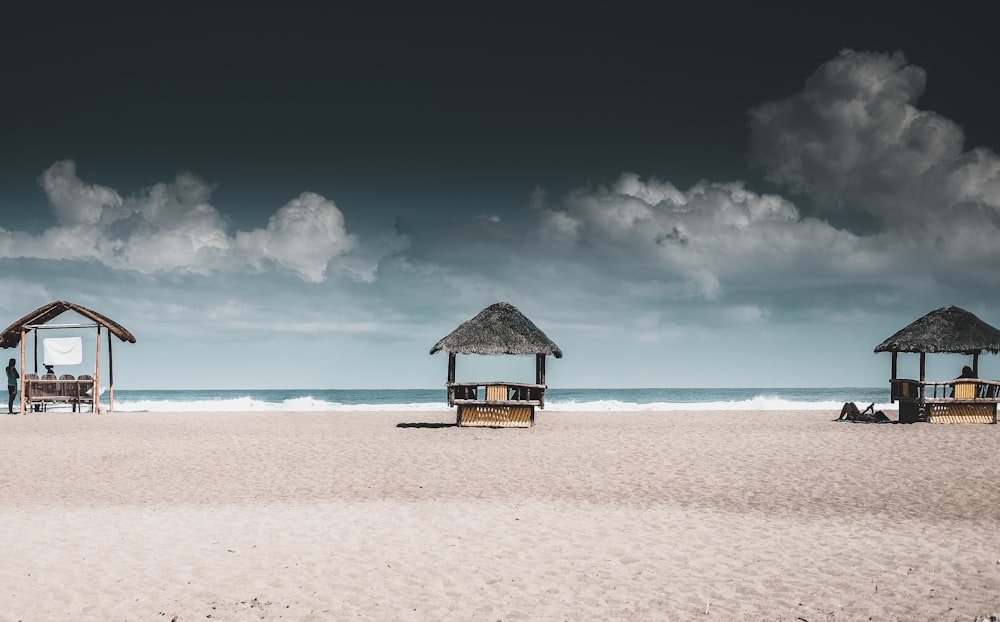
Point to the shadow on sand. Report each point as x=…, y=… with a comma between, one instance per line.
x=423, y=424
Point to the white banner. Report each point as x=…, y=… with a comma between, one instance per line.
x=62, y=350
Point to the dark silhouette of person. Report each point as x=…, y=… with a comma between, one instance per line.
x=966, y=373
x=12, y=377
x=850, y=412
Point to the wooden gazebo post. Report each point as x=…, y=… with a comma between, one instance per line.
x=96, y=404
x=923, y=374
x=111, y=378
x=22, y=371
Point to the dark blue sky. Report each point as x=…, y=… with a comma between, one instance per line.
x=413, y=106
x=389, y=170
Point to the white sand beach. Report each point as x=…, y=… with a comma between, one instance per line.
x=586, y=516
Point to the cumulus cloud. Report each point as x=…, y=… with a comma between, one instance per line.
x=303, y=236
x=854, y=135
x=693, y=241
x=169, y=227
x=74, y=202
x=173, y=227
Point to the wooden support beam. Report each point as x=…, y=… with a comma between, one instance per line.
x=111, y=378
x=22, y=372
x=97, y=375
x=923, y=372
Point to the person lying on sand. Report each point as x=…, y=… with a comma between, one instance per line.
x=850, y=412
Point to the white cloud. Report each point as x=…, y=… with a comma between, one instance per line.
x=74, y=202
x=695, y=241
x=173, y=228
x=303, y=235
x=854, y=135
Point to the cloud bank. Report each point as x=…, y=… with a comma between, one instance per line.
x=852, y=137
x=173, y=228
x=693, y=242
x=636, y=271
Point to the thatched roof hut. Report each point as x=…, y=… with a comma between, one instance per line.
x=498, y=329
x=11, y=335
x=37, y=319
x=948, y=329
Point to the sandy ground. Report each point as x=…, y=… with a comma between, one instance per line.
x=586, y=516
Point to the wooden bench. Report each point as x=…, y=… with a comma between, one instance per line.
x=40, y=393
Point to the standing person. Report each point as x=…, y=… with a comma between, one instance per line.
x=12, y=377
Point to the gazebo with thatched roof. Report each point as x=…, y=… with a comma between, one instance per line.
x=498, y=329
x=946, y=330
x=38, y=392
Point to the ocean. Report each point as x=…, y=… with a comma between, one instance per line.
x=556, y=399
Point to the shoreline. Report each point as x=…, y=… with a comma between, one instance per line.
x=740, y=515
x=557, y=399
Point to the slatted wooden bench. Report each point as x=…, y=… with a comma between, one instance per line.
x=40, y=393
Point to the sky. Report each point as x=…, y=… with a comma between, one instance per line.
x=713, y=196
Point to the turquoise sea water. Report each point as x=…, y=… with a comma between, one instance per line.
x=826, y=398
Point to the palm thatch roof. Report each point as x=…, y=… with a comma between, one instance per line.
x=498, y=329
x=948, y=329
x=11, y=335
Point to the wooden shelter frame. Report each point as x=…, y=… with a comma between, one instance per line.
x=504, y=403
x=94, y=384
x=959, y=400
x=38, y=320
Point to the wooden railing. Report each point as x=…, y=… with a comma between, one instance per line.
x=498, y=393
x=964, y=390
x=958, y=390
